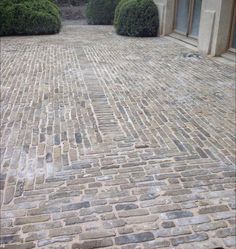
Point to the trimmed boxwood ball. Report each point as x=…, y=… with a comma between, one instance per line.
x=29, y=17
x=117, y=11
x=101, y=12
x=137, y=18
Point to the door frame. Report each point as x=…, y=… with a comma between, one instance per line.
x=232, y=27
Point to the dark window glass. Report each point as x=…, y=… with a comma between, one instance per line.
x=234, y=37
x=196, y=17
x=182, y=16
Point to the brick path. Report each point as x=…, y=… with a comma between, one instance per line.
x=115, y=142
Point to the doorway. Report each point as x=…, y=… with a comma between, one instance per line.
x=187, y=18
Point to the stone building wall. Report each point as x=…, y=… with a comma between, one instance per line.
x=215, y=23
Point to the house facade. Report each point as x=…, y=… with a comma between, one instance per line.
x=208, y=24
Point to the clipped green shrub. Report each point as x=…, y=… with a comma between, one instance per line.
x=137, y=18
x=29, y=17
x=117, y=11
x=101, y=11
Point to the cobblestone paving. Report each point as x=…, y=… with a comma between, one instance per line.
x=115, y=142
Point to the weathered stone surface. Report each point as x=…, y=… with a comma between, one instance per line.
x=9, y=194
x=189, y=238
x=113, y=223
x=104, y=136
x=108, y=216
x=31, y=219
x=213, y=209
x=8, y=239
x=192, y=220
x=176, y=231
x=93, y=244
x=77, y=220
x=76, y=206
x=210, y=226
x=69, y=230
x=44, y=210
x=157, y=244
x=141, y=146
x=133, y=212
x=142, y=219
x=148, y=196
x=176, y=215
x=8, y=230
x=59, y=240
x=126, y=206
x=222, y=233
x=165, y=208
x=134, y=238
x=96, y=234
x=178, y=192
x=168, y=224
x=41, y=226
x=19, y=188
x=36, y=236
x=230, y=242
x=223, y=215
x=29, y=245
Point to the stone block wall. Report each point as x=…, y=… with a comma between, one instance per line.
x=215, y=23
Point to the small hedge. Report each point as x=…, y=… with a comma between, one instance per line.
x=117, y=11
x=101, y=11
x=137, y=18
x=29, y=17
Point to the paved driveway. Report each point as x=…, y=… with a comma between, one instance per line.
x=115, y=142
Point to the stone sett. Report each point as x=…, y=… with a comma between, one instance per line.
x=115, y=142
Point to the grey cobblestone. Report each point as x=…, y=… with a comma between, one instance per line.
x=176, y=215
x=192, y=220
x=32, y=219
x=28, y=245
x=134, y=238
x=65, y=231
x=114, y=142
x=210, y=226
x=93, y=244
x=172, y=232
x=59, y=240
x=189, y=238
x=225, y=232
x=230, y=242
x=96, y=234
x=213, y=209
